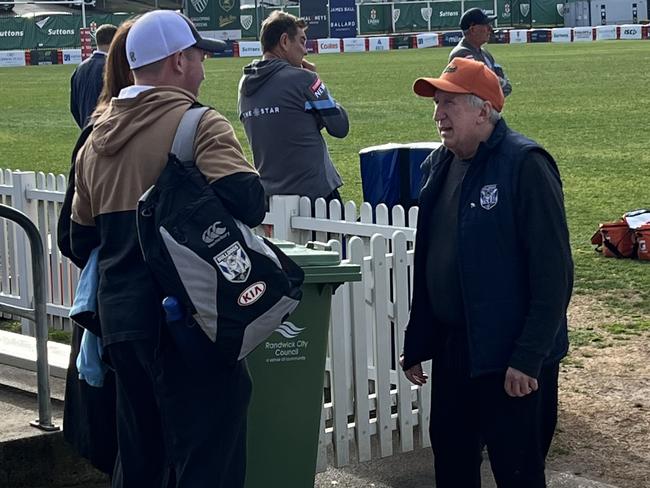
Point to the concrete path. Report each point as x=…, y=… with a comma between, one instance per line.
x=46, y=460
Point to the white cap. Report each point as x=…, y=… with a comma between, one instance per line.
x=161, y=33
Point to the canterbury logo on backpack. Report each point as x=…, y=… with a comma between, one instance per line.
x=235, y=288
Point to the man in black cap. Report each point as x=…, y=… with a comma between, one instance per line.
x=477, y=28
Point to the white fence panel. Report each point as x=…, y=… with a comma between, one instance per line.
x=368, y=403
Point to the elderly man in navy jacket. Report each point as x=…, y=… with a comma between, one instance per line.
x=493, y=279
x=88, y=79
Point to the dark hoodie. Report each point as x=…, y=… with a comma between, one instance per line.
x=283, y=109
x=121, y=159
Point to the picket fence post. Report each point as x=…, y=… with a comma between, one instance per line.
x=282, y=208
x=23, y=181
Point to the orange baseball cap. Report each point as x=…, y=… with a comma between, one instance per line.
x=464, y=76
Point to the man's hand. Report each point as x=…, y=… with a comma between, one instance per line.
x=414, y=374
x=518, y=384
x=309, y=66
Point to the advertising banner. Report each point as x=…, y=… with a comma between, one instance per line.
x=248, y=22
x=343, y=18
x=583, y=34
x=71, y=56
x=451, y=38
x=16, y=34
x=561, y=34
x=605, y=32
x=518, y=36
x=12, y=58
x=411, y=17
x=217, y=18
x=202, y=13
x=379, y=44
x=250, y=49
x=316, y=14
x=445, y=15
x=521, y=13
x=374, y=18
x=548, y=12
x=49, y=31
x=540, y=35
x=427, y=40
x=630, y=31
x=354, y=45
x=58, y=31
x=328, y=46
x=504, y=13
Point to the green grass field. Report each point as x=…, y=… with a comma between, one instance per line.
x=586, y=103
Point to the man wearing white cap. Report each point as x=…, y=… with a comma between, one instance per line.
x=168, y=415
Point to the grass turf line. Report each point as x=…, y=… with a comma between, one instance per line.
x=585, y=102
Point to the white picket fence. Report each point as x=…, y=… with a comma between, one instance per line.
x=369, y=410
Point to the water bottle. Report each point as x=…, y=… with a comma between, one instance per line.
x=173, y=310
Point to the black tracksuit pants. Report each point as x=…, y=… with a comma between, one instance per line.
x=178, y=424
x=468, y=413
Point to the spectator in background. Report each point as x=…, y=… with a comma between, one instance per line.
x=89, y=413
x=284, y=105
x=87, y=80
x=477, y=28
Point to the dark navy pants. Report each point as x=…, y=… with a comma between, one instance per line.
x=468, y=414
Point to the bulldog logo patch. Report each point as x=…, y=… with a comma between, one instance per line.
x=489, y=196
x=234, y=263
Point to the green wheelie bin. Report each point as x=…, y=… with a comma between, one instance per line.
x=288, y=371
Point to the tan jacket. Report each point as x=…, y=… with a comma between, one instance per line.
x=128, y=148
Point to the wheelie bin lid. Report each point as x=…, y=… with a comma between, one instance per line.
x=319, y=262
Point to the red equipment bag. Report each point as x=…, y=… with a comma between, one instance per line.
x=642, y=235
x=615, y=240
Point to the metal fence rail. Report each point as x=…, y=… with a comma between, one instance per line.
x=36, y=315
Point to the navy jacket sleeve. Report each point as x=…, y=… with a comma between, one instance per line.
x=545, y=237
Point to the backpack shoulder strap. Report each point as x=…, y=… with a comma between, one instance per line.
x=183, y=145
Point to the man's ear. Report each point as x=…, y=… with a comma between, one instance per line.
x=284, y=41
x=177, y=61
x=486, y=110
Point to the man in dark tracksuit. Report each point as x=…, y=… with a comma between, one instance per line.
x=477, y=29
x=284, y=105
x=88, y=79
x=168, y=412
x=493, y=279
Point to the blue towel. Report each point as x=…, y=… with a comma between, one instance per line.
x=84, y=311
x=89, y=361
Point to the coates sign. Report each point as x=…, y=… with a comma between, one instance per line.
x=326, y=46
x=250, y=49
